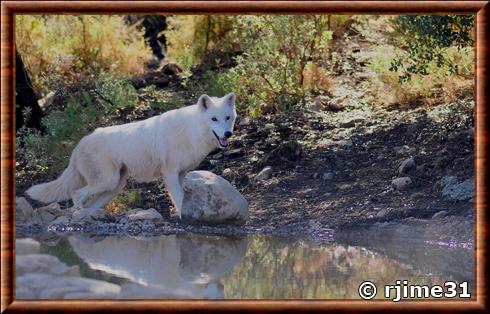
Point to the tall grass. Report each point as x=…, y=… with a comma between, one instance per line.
x=66, y=49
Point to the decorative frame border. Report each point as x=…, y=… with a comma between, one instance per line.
x=7, y=195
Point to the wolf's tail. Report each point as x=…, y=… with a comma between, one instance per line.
x=59, y=189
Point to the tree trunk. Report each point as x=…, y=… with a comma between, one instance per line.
x=25, y=98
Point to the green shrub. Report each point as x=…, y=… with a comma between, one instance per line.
x=274, y=72
x=64, y=128
x=426, y=38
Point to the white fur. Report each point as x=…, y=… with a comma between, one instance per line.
x=168, y=145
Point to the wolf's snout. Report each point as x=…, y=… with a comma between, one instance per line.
x=227, y=134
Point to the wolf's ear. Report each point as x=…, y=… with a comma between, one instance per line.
x=230, y=99
x=204, y=102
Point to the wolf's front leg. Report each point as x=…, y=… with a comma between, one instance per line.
x=172, y=183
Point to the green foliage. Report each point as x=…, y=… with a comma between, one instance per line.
x=58, y=50
x=212, y=83
x=129, y=199
x=190, y=37
x=426, y=39
x=64, y=128
x=271, y=74
x=115, y=93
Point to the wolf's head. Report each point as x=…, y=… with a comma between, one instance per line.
x=220, y=115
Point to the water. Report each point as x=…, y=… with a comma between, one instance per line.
x=257, y=267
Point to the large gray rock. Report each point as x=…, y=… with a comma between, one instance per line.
x=210, y=198
x=460, y=191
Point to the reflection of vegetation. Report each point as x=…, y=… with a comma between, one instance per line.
x=272, y=269
x=65, y=253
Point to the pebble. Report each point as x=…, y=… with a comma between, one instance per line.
x=406, y=166
x=327, y=176
x=149, y=214
x=264, y=174
x=439, y=214
x=402, y=183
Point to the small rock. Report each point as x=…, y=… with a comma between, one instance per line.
x=337, y=105
x=171, y=69
x=352, y=122
x=23, y=208
x=148, y=214
x=61, y=220
x=344, y=186
x=382, y=213
x=212, y=199
x=439, y=214
x=87, y=214
x=347, y=143
x=406, y=166
x=327, y=176
x=402, y=183
x=418, y=195
x=227, y=171
x=460, y=191
x=46, y=214
x=234, y=153
x=26, y=246
x=244, y=121
x=264, y=174
x=318, y=104
x=447, y=180
x=348, y=124
x=400, y=150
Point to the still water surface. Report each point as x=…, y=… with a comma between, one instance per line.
x=260, y=266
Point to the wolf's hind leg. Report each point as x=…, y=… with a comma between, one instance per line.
x=103, y=198
x=106, y=184
x=172, y=183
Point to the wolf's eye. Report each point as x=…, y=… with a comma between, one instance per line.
x=228, y=118
x=214, y=119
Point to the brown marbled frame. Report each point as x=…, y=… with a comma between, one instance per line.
x=10, y=8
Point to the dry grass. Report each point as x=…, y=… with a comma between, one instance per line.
x=64, y=49
x=316, y=78
x=437, y=87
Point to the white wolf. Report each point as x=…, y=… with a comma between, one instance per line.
x=168, y=145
